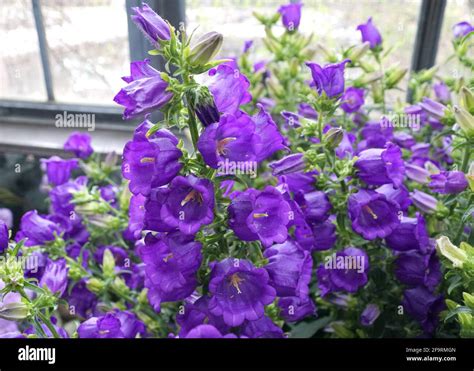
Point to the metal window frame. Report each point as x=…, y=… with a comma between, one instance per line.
x=430, y=23
x=29, y=126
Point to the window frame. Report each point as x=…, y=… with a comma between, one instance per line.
x=429, y=27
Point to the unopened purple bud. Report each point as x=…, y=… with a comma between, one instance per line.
x=417, y=174
x=369, y=315
x=151, y=24
x=432, y=108
x=288, y=165
x=424, y=202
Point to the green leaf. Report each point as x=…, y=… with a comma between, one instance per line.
x=458, y=310
x=456, y=282
x=467, y=214
x=308, y=329
x=154, y=52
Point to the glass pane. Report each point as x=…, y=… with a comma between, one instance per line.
x=88, y=46
x=456, y=11
x=333, y=23
x=21, y=74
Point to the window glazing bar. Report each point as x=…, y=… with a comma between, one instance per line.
x=43, y=46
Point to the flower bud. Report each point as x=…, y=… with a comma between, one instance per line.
x=14, y=311
x=433, y=108
x=466, y=99
x=394, y=76
x=468, y=299
x=204, y=106
x=330, y=56
x=465, y=121
x=358, y=51
x=120, y=286
x=333, y=137
x=95, y=286
x=454, y=254
x=377, y=92
x=465, y=319
x=108, y=263
x=341, y=331
x=368, y=78
x=470, y=176
x=275, y=88
x=427, y=75
x=451, y=304
x=206, y=48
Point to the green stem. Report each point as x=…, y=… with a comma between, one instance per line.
x=193, y=128
x=48, y=324
x=465, y=160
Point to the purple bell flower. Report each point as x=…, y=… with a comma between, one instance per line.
x=461, y=29
x=240, y=139
x=113, y=325
x=150, y=162
x=247, y=45
x=343, y=271
x=299, y=182
x=372, y=214
x=370, y=315
x=414, y=268
x=294, y=309
x=55, y=277
x=37, y=229
x=381, y=166
x=187, y=205
x=345, y=149
x=448, y=182
x=376, y=134
x=206, y=332
x=81, y=299
x=424, y=307
x=289, y=268
x=136, y=216
x=307, y=111
x=6, y=216
x=79, y=144
x=315, y=205
x=410, y=234
x=442, y=92
x=4, y=236
x=196, y=312
x=370, y=33
x=260, y=215
x=329, y=79
x=154, y=27
x=262, y=328
x=403, y=139
x=239, y=291
x=352, y=100
x=229, y=87
x=59, y=170
x=171, y=264
x=61, y=196
x=291, y=15
x=146, y=91
x=322, y=236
